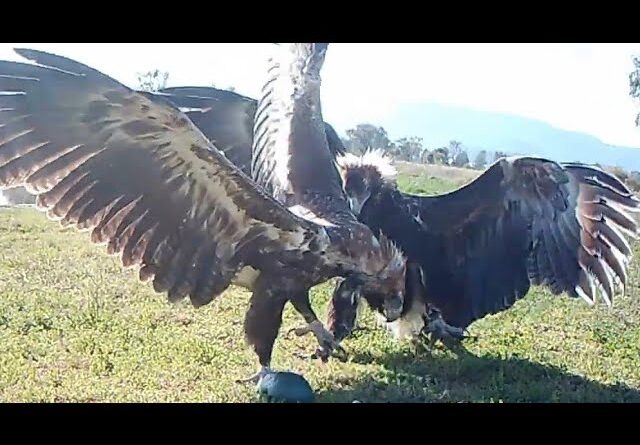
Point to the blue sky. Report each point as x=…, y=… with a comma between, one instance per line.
x=580, y=87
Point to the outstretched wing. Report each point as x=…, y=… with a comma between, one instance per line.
x=138, y=174
x=226, y=119
x=290, y=155
x=524, y=221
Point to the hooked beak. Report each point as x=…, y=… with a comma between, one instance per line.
x=392, y=309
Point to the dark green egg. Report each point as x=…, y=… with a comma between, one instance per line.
x=285, y=387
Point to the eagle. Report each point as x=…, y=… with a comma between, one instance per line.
x=137, y=173
x=474, y=251
x=477, y=250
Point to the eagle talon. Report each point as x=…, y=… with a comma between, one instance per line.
x=255, y=378
x=336, y=351
x=441, y=330
x=323, y=354
x=328, y=346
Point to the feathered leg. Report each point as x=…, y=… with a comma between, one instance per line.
x=261, y=325
x=328, y=346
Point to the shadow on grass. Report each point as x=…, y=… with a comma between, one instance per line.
x=470, y=378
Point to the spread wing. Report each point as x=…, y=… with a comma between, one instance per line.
x=290, y=155
x=226, y=119
x=524, y=221
x=139, y=175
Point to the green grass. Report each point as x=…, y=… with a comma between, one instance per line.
x=75, y=326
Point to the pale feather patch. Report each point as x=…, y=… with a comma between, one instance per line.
x=617, y=230
x=409, y=325
x=309, y=215
x=246, y=277
x=282, y=89
x=584, y=296
x=377, y=159
x=592, y=287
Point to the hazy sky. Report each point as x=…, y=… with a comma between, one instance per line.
x=582, y=87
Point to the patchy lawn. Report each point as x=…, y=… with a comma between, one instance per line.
x=74, y=326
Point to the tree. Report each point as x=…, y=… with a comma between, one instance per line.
x=634, y=84
x=426, y=157
x=408, y=149
x=618, y=172
x=455, y=148
x=481, y=160
x=498, y=155
x=153, y=80
x=633, y=181
x=367, y=136
x=461, y=159
x=441, y=156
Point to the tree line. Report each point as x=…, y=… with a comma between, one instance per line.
x=412, y=149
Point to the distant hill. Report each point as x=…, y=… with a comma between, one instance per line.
x=438, y=124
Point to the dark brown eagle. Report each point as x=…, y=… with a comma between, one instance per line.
x=477, y=250
x=474, y=251
x=148, y=183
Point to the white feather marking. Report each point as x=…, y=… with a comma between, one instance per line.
x=283, y=90
x=621, y=259
x=604, y=185
x=622, y=208
x=629, y=233
x=583, y=295
x=407, y=326
x=592, y=287
x=307, y=214
x=371, y=158
x=609, y=274
x=617, y=230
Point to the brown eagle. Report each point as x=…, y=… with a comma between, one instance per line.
x=148, y=183
x=477, y=250
x=472, y=252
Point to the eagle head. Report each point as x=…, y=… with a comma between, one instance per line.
x=385, y=288
x=363, y=175
x=343, y=308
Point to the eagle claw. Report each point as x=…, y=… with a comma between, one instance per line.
x=255, y=378
x=441, y=330
x=328, y=346
x=336, y=351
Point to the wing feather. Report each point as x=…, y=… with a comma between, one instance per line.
x=226, y=119
x=138, y=174
x=570, y=216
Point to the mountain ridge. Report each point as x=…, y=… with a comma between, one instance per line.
x=477, y=130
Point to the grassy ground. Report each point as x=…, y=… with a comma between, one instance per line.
x=74, y=326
